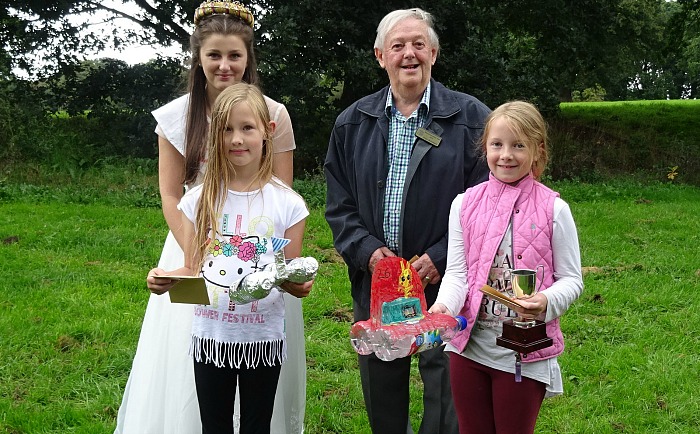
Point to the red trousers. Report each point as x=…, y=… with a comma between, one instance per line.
x=489, y=401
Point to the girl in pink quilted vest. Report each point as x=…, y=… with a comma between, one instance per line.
x=511, y=221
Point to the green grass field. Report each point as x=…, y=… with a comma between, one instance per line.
x=77, y=243
x=76, y=248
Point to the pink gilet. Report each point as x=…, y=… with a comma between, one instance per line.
x=485, y=214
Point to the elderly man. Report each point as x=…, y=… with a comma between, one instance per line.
x=396, y=160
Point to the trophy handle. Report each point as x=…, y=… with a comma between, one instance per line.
x=540, y=267
x=508, y=276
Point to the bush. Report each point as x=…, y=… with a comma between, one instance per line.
x=590, y=141
x=591, y=94
x=20, y=120
x=312, y=187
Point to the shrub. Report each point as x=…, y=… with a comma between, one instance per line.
x=591, y=94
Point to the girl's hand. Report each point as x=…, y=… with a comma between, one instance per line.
x=440, y=308
x=299, y=290
x=158, y=285
x=532, y=306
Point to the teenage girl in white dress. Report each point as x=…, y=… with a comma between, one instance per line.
x=160, y=396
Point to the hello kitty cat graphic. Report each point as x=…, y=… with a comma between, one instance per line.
x=231, y=257
x=234, y=254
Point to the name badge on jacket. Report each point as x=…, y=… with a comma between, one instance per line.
x=428, y=136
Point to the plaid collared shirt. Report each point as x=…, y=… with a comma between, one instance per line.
x=402, y=135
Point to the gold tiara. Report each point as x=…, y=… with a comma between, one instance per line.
x=235, y=9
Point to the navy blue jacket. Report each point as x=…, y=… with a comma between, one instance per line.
x=356, y=170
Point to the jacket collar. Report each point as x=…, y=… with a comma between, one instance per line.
x=524, y=186
x=442, y=103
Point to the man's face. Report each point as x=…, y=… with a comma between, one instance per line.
x=407, y=56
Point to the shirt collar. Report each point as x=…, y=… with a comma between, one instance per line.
x=424, y=102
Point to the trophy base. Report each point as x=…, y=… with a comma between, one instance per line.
x=524, y=340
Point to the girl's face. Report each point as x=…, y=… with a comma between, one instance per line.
x=243, y=139
x=224, y=59
x=509, y=159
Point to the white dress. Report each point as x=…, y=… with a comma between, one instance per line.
x=160, y=396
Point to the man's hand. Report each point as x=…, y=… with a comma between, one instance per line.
x=426, y=270
x=378, y=254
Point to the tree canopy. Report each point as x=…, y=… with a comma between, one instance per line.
x=317, y=57
x=559, y=44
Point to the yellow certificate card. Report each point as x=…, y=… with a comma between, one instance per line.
x=188, y=289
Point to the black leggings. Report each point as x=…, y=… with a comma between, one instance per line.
x=216, y=393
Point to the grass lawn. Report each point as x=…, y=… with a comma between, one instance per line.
x=75, y=251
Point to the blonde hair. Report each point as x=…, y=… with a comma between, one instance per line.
x=528, y=125
x=197, y=123
x=390, y=20
x=220, y=171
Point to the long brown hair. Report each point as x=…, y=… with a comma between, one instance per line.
x=220, y=171
x=197, y=124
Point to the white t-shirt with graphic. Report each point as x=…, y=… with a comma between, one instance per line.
x=229, y=334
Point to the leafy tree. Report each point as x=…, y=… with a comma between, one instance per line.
x=485, y=56
x=108, y=86
x=317, y=57
x=108, y=103
x=682, y=52
x=570, y=44
x=59, y=30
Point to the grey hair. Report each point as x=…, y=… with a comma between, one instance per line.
x=391, y=19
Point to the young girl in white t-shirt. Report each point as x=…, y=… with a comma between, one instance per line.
x=231, y=220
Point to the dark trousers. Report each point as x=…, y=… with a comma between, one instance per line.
x=216, y=393
x=385, y=386
x=489, y=401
